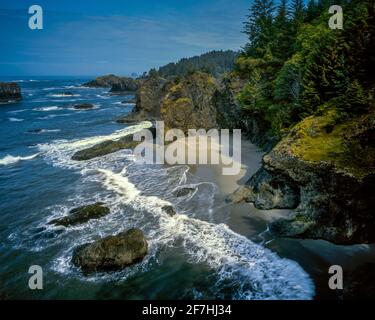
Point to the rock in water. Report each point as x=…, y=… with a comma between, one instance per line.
x=105, y=147
x=9, y=92
x=82, y=215
x=84, y=106
x=182, y=192
x=112, y=252
x=117, y=84
x=169, y=210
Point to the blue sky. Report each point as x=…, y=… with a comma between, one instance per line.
x=95, y=37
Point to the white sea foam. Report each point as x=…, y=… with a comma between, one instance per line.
x=16, y=111
x=15, y=119
x=256, y=272
x=61, y=95
x=242, y=267
x=9, y=159
x=49, y=108
x=61, y=151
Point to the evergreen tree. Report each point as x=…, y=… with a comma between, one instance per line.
x=259, y=27
x=298, y=12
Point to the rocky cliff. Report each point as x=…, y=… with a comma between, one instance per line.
x=117, y=84
x=9, y=92
x=148, y=100
x=194, y=101
x=325, y=168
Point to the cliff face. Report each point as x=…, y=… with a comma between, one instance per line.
x=148, y=100
x=188, y=103
x=194, y=101
x=9, y=92
x=327, y=172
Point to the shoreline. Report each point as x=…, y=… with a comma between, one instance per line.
x=314, y=256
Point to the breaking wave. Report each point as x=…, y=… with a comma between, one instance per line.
x=9, y=159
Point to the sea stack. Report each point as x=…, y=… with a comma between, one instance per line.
x=9, y=92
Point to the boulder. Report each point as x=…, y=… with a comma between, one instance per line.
x=105, y=147
x=169, y=210
x=182, y=192
x=9, y=92
x=82, y=214
x=111, y=253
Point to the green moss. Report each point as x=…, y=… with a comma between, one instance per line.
x=324, y=139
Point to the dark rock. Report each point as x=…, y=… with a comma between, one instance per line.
x=102, y=82
x=148, y=100
x=9, y=91
x=118, y=85
x=112, y=252
x=359, y=284
x=105, y=147
x=129, y=101
x=124, y=85
x=169, y=210
x=84, y=106
x=333, y=194
x=183, y=103
x=181, y=192
x=38, y=130
x=82, y=215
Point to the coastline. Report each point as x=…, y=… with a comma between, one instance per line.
x=314, y=256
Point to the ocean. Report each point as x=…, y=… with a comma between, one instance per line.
x=208, y=250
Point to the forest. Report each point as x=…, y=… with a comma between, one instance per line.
x=294, y=65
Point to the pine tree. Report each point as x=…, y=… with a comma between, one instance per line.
x=282, y=46
x=259, y=26
x=298, y=12
x=313, y=10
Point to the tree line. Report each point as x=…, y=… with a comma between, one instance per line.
x=294, y=65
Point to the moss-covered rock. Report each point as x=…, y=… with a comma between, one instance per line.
x=82, y=214
x=325, y=167
x=112, y=252
x=188, y=103
x=148, y=99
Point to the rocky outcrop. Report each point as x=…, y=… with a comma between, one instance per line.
x=188, y=103
x=105, y=147
x=226, y=104
x=9, y=91
x=112, y=252
x=327, y=173
x=182, y=102
x=117, y=84
x=102, y=82
x=124, y=85
x=82, y=214
x=84, y=106
x=148, y=100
